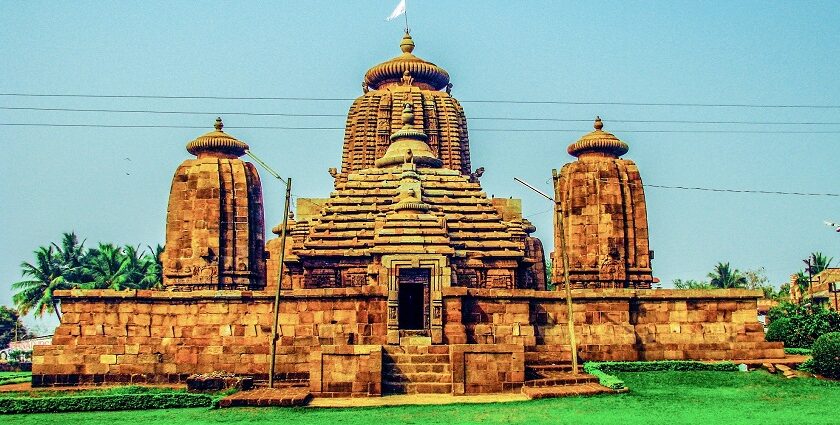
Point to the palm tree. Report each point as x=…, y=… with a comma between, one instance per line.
x=45, y=277
x=71, y=256
x=725, y=277
x=818, y=262
x=107, y=267
x=154, y=276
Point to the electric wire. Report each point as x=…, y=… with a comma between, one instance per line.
x=500, y=101
x=479, y=118
x=503, y=130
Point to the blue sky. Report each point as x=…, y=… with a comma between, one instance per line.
x=111, y=184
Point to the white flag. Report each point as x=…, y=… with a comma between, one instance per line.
x=399, y=10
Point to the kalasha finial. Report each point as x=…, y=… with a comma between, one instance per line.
x=407, y=44
x=408, y=115
x=219, y=125
x=598, y=123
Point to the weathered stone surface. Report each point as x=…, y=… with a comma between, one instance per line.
x=603, y=212
x=215, y=224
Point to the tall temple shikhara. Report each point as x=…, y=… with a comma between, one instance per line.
x=602, y=205
x=215, y=225
x=406, y=279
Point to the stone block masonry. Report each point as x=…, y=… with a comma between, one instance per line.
x=155, y=336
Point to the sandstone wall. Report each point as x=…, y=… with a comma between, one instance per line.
x=614, y=324
x=153, y=336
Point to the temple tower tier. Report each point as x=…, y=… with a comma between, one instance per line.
x=602, y=205
x=376, y=115
x=215, y=224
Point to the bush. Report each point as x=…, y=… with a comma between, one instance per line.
x=799, y=326
x=826, y=355
x=604, y=378
x=218, y=381
x=103, y=402
x=603, y=370
x=778, y=330
x=798, y=351
x=666, y=365
x=807, y=365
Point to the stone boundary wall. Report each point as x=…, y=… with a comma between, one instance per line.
x=157, y=336
x=615, y=324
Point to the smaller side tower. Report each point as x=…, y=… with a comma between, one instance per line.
x=602, y=205
x=215, y=224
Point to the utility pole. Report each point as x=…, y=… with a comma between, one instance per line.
x=281, y=266
x=565, y=256
x=810, y=279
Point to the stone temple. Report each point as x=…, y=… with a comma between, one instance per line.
x=406, y=279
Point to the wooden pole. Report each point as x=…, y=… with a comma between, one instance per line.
x=565, y=259
x=274, y=336
x=565, y=256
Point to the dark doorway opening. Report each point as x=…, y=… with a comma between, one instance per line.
x=414, y=298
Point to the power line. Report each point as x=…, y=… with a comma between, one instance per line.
x=522, y=102
x=710, y=189
x=284, y=114
x=151, y=111
x=506, y=130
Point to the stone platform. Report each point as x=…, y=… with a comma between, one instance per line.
x=336, y=340
x=268, y=397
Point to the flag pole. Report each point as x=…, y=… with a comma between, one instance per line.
x=405, y=15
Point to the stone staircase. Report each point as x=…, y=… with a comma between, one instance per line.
x=547, y=360
x=416, y=367
x=548, y=373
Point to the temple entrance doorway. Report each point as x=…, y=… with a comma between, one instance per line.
x=414, y=298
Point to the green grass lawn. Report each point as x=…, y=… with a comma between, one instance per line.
x=655, y=397
x=14, y=377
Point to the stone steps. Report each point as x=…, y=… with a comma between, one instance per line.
x=562, y=379
x=416, y=387
x=411, y=368
x=264, y=397
x=415, y=358
x=416, y=369
x=565, y=391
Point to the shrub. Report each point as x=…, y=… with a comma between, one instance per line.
x=798, y=351
x=218, y=381
x=800, y=326
x=778, y=330
x=103, y=402
x=603, y=370
x=605, y=379
x=667, y=365
x=807, y=365
x=826, y=355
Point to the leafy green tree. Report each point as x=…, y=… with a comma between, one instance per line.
x=691, y=284
x=119, y=268
x=11, y=328
x=71, y=256
x=725, y=277
x=107, y=267
x=819, y=262
x=154, y=278
x=757, y=279
x=43, y=278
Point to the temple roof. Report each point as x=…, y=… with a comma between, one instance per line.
x=394, y=70
x=598, y=141
x=371, y=213
x=218, y=142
